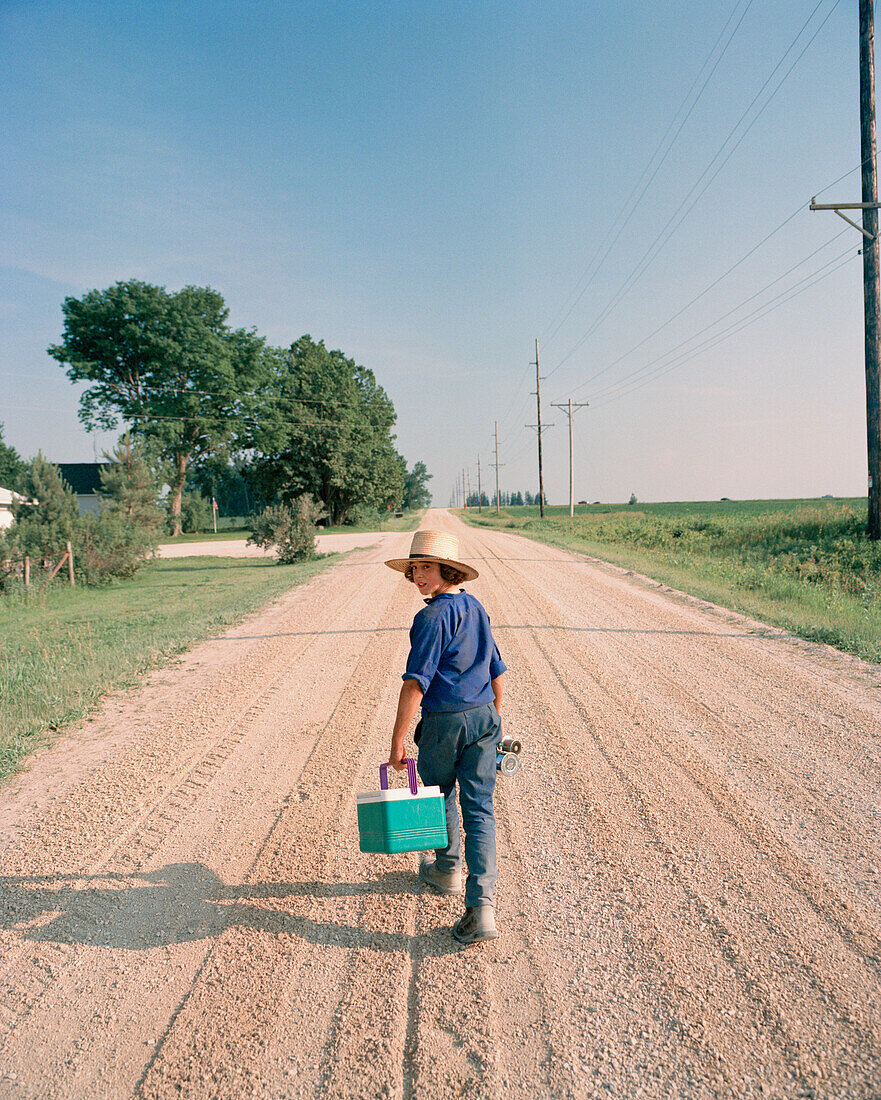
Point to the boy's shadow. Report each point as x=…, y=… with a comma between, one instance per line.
x=185, y=902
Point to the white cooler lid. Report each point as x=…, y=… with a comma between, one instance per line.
x=397, y=793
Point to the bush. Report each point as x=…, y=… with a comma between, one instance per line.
x=290, y=528
x=363, y=515
x=110, y=545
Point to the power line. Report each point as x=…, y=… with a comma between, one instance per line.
x=712, y=324
x=669, y=228
x=609, y=394
x=595, y=264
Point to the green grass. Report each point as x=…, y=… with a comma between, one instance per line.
x=408, y=522
x=208, y=536
x=804, y=565
x=63, y=649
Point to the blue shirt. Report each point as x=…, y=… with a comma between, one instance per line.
x=453, y=656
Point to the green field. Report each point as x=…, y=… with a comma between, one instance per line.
x=61, y=650
x=804, y=565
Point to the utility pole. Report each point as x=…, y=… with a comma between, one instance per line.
x=568, y=409
x=468, y=498
x=479, y=490
x=496, y=464
x=869, y=230
x=539, y=429
x=870, y=261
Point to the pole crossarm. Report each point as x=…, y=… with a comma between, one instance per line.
x=542, y=428
x=837, y=207
x=844, y=205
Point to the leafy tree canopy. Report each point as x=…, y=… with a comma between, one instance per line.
x=167, y=364
x=416, y=491
x=328, y=433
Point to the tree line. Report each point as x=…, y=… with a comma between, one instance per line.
x=506, y=499
x=221, y=411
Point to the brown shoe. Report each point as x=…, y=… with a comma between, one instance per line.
x=445, y=882
x=479, y=923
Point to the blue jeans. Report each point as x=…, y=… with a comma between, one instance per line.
x=461, y=747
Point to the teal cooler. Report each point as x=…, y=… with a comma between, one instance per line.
x=405, y=820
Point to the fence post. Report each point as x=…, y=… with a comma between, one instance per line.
x=70, y=565
x=27, y=572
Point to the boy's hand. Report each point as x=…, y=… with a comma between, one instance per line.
x=397, y=757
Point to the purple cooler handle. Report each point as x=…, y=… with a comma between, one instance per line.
x=411, y=774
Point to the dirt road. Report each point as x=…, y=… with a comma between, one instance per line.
x=690, y=863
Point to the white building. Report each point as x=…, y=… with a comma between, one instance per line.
x=6, y=498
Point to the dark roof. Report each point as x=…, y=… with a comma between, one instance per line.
x=83, y=477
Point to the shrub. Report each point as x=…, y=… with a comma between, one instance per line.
x=109, y=545
x=363, y=515
x=290, y=528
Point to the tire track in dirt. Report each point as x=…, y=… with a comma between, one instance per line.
x=263, y=670
x=259, y=966
x=659, y=712
x=29, y=972
x=865, y=1029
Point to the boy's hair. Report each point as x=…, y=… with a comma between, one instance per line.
x=449, y=574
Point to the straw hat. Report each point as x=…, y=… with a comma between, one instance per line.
x=434, y=546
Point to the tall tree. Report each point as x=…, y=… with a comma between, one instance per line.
x=13, y=468
x=416, y=491
x=329, y=433
x=168, y=365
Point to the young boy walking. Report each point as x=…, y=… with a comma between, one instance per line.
x=455, y=673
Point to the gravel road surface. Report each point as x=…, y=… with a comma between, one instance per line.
x=690, y=862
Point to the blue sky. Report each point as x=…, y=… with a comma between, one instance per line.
x=430, y=187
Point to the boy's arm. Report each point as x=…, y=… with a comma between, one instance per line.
x=408, y=704
x=498, y=686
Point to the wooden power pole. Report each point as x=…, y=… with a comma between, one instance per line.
x=567, y=408
x=869, y=230
x=496, y=464
x=479, y=493
x=870, y=261
x=538, y=430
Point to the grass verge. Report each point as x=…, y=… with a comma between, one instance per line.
x=61, y=650
x=408, y=522
x=209, y=536
x=805, y=566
